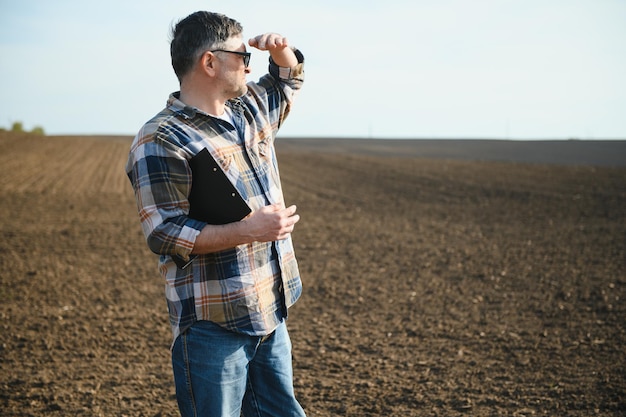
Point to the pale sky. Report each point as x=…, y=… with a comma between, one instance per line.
x=496, y=69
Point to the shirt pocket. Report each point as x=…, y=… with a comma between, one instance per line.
x=265, y=148
x=226, y=161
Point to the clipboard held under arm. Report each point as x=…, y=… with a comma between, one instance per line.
x=213, y=198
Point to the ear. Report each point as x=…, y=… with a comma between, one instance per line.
x=207, y=63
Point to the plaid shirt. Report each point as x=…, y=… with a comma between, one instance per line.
x=246, y=289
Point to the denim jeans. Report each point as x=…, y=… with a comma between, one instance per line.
x=219, y=373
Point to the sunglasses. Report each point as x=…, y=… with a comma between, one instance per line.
x=244, y=55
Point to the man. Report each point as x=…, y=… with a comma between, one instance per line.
x=231, y=351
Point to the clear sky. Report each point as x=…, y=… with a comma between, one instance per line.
x=517, y=69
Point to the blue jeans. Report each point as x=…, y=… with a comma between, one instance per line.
x=219, y=373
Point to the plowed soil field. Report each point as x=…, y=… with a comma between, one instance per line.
x=433, y=287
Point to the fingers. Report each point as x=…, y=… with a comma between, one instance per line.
x=291, y=210
x=288, y=211
x=289, y=218
x=273, y=222
x=288, y=225
x=290, y=222
x=268, y=41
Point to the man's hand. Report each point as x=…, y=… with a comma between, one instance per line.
x=277, y=46
x=267, y=224
x=271, y=223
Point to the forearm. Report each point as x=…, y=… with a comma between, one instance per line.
x=284, y=57
x=267, y=224
x=215, y=238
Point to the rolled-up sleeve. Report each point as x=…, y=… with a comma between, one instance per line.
x=294, y=76
x=161, y=180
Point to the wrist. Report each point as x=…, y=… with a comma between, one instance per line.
x=285, y=57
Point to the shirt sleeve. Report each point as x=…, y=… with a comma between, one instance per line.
x=275, y=92
x=161, y=179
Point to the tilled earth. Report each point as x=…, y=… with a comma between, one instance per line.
x=432, y=287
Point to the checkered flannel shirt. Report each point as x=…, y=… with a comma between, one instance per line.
x=248, y=288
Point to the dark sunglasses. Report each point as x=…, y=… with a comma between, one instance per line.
x=244, y=55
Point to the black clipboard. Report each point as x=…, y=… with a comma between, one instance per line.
x=213, y=198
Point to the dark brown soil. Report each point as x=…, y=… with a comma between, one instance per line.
x=433, y=287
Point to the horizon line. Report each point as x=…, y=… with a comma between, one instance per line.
x=407, y=138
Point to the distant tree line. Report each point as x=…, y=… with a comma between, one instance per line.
x=19, y=128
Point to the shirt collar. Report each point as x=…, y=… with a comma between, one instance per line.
x=180, y=108
x=189, y=112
